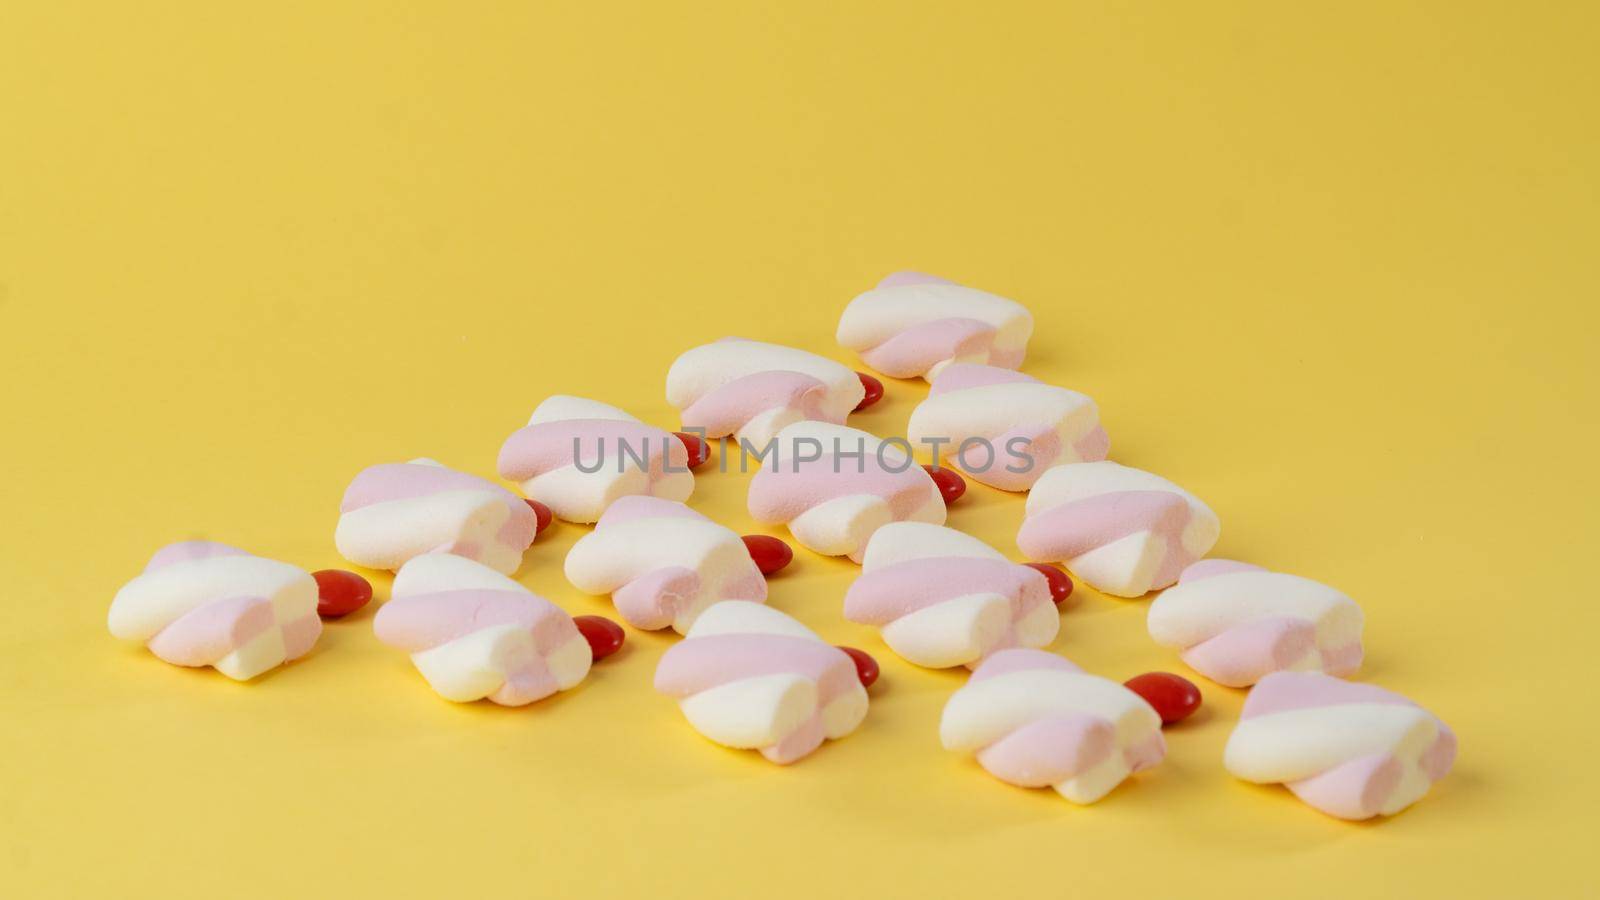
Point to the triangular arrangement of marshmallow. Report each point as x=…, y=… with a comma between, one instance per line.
x=1123, y=530
x=834, y=486
x=1035, y=720
x=748, y=676
x=751, y=389
x=944, y=598
x=200, y=603
x=663, y=563
x=1236, y=623
x=1353, y=751
x=578, y=456
x=397, y=511
x=913, y=325
x=1005, y=428
x=474, y=633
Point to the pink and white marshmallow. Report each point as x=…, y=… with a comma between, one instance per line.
x=834, y=486
x=751, y=389
x=396, y=511
x=474, y=633
x=750, y=677
x=578, y=456
x=1353, y=751
x=943, y=598
x=1005, y=428
x=1035, y=720
x=663, y=563
x=1236, y=623
x=1122, y=530
x=913, y=325
x=201, y=603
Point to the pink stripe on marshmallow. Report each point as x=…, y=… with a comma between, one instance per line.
x=423, y=621
x=535, y=449
x=710, y=661
x=185, y=551
x=883, y=595
x=726, y=409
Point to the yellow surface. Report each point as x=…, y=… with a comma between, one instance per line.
x=1334, y=271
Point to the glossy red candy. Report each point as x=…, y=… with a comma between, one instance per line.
x=340, y=593
x=699, y=451
x=874, y=389
x=769, y=553
x=866, y=666
x=951, y=485
x=542, y=516
x=605, y=637
x=1174, y=698
x=1060, y=584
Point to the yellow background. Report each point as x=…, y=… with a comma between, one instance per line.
x=1333, y=269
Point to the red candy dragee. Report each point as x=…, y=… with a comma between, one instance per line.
x=1060, y=584
x=874, y=389
x=340, y=593
x=542, y=516
x=699, y=450
x=866, y=666
x=605, y=637
x=769, y=553
x=951, y=486
x=1173, y=697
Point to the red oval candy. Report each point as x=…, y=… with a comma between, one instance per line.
x=699, y=451
x=951, y=485
x=1173, y=697
x=340, y=593
x=874, y=389
x=542, y=516
x=605, y=637
x=769, y=553
x=866, y=666
x=1060, y=584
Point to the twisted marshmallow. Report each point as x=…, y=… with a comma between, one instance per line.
x=578, y=456
x=474, y=633
x=1236, y=623
x=396, y=511
x=1035, y=719
x=751, y=677
x=833, y=502
x=1123, y=530
x=200, y=603
x=913, y=325
x=663, y=563
x=1018, y=426
x=751, y=390
x=943, y=598
x=1353, y=751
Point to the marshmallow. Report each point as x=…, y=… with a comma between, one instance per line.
x=474, y=633
x=943, y=598
x=200, y=603
x=1035, y=719
x=1353, y=751
x=834, y=500
x=1122, y=530
x=751, y=390
x=578, y=456
x=751, y=677
x=1012, y=421
x=395, y=511
x=1236, y=623
x=913, y=325
x=663, y=563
